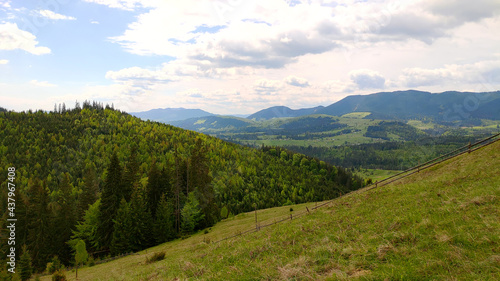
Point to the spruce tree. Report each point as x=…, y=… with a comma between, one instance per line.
x=141, y=227
x=131, y=174
x=164, y=228
x=120, y=242
x=110, y=201
x=25, y=267
x=64, y=219
x=38, y=221
x=200, y=180
x=155, y=188
x=191, y=214
x=89, y=192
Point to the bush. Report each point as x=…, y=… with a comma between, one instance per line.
x=156, y=257
x=91, y=261
x=54, y=265
x=59, y=276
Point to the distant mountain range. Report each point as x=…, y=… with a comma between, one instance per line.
x=283, y=111
x=167, y=115
x=401, y=105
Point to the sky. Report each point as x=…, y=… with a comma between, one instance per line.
x=240, y=56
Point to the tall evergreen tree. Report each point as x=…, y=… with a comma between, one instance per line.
x=121, y=241
x=38, y=217
x=191, y=214
x=25, y=267
x=110, y=201
x=155, y=188
x=164, y=227
x=131, y=174
x=64, y=220
x=200, y=180
x=140, y=231
x=89, y=192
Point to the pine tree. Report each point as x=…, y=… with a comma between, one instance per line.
x=140, y=231
x=191, y=214
x=25, y=267
x=155, y=188
x=89, y=192
x=131, y=174
x=38, y=217
x=110, y=201
x=120, y=242
x=200, y=180
x=164, y=228
x=64, y=219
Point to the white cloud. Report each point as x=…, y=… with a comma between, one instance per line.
x=54, y=16
x=296, y=81
x=5, y=4
x=128, y=5
x=41, y=84
x=484, y=73
x=367, y=79
x=246, y=55
x=94, y=22
x=4, y=61
x=12, y=38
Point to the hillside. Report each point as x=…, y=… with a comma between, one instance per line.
x=282, y=111
x=103, y=176
x=413, y=104
x=210, y=124
x=440, y=224
x=167, y=115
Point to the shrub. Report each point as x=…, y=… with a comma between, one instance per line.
x=59, y=276
x=156, y=257
x=54, y=265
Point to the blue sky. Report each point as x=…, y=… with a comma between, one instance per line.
x=241, y=56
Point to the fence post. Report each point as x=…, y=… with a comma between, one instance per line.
x=469, y=148
x=307, y=210
x=291, y=216
x=256, y=223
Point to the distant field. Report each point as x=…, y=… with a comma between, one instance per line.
x=356, y=115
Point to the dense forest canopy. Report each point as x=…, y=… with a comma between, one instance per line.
x=121, y=184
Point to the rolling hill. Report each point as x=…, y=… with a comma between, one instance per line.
x=440, y=224
x=411, y=104
x=167, y=115
x=283, y=111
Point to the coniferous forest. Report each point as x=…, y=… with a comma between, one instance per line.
x=121, y=185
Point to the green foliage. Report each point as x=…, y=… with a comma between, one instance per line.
x=164, y=226
x=191, y=214
x=86, y=229
x=110, y=201
x=25, y=267
x=59, y=276
x=158, y=256
x=81, y=254
x=224, y=213
x=64, y=158
x=121, y=241
x=54, y=265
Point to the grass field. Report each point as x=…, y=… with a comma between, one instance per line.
x=440, y=224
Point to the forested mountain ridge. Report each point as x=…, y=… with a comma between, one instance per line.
x=167, y=115
x=75, y=166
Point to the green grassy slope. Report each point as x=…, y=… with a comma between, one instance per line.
x=440, y=224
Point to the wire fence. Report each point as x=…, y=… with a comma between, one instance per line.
x=471, y=147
